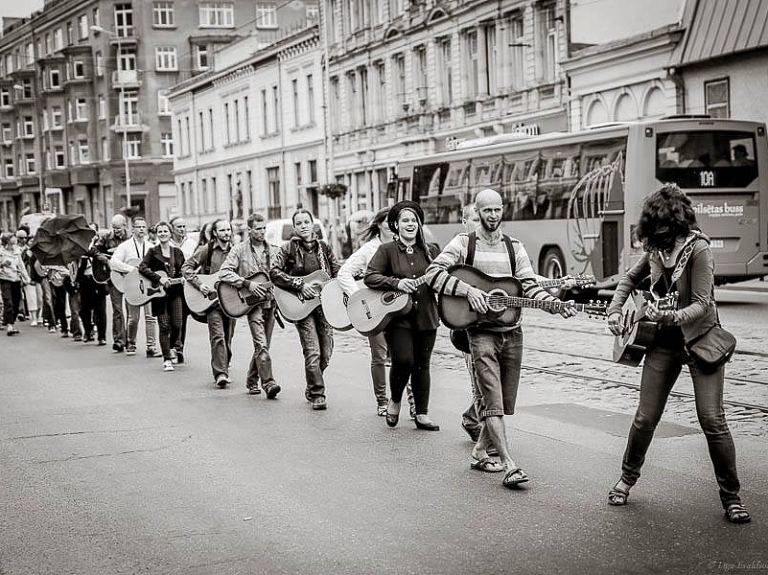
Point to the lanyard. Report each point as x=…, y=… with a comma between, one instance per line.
x=143, y=248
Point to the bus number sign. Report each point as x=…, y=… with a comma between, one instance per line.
x=706, y=179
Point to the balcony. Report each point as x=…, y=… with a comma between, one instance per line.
x=127, y=124
x=126, y=79
x=125, y=37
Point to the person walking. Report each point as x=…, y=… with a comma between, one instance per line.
x=677, y=258
x=103, y=250
x=187, y=245
x=13, y=276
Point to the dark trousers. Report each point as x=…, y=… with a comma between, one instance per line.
x=11, y=300
x=261, y=322
x=411, y=352
x=661, y=370
x=379, y=355
x=118, y=316
x=221, y=328
x=93, y=308
x=60, y=295
x=47, y=307
x=316, y=336
x=169, y=321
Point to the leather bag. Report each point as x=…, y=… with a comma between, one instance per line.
x=712, y=349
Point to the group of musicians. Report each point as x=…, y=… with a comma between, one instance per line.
x=397, y=257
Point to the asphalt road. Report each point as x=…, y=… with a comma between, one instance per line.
x=110, y=466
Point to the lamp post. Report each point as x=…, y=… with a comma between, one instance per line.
x=38, y=148
x=120, y=106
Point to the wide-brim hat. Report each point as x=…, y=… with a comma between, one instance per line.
x=394, y=213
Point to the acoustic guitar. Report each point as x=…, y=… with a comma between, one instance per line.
x=371, y=310
x=334, y=302
x=638, y=332
x=140, y=290
x=101, y=270
x=197, y=302
x=56, y=277
x=239, y=301
x=293, y=306
x=118, y=278
x=504, y=302
x=581, y=280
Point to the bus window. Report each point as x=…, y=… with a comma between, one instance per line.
x=706, y=159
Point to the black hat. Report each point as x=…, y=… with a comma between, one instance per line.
x=394, y=213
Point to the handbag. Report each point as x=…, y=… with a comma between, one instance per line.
x=712, y=349
x=460, y=339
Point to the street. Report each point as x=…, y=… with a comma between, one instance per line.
x=110, y=466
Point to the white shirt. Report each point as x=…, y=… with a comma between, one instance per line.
x=356, y=265
x=130, y=249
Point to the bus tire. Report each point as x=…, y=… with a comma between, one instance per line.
x=553, y=267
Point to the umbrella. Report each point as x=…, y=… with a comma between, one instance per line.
x=62, y=239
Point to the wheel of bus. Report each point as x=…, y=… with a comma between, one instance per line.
x=553, y=267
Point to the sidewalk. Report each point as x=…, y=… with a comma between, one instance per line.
x=758, y=285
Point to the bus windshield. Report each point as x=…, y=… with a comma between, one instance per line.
x=706, y=159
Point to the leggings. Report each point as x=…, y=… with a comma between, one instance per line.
x=411, y=351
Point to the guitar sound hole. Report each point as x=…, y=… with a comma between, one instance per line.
x=496, y=301
x=388, y=298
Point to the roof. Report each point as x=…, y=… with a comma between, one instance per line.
x=715, y=28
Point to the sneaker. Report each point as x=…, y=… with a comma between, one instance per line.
x=154, y=352
x=102, y=342
x=179, y=356
x=272, y=390
x=222, y=380
x=253, y=389
x=65, y=334
x=167, y=365
x=473, y=432
x=117, y=347
x=381, y=410
x=130, y=350
x=319, y=404
x=33, y=323
x=77, y=338
x=412, y=412
x=88, y=339
x=51, y=330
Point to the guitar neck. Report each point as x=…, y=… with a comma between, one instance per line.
x=546, y=305
x=546, y=284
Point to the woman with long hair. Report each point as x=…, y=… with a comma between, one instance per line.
x=671, y=238
x=168, y=310
x=398, y=265
x=13, y=275
x=303, y=254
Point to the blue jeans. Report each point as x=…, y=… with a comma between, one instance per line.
x=497, y=357
x=316, y=336
x=660, y=372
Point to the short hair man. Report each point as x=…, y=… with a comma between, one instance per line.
x=103, y=249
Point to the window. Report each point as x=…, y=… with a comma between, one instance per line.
x=124, y=20
x=83, y=152
x=165, y=58
x=102, y=107
x=81, y=109
x=58, y=40
x=266, y=15
x=30, y=52
x=70, y=34
x=82, y=26
x=104, y=149
x=276, y=107
x=311, y=98
x=95, y=18
x=295, y=94
x=29, y=126
x=210, y=128
x=547, y=52
x=132, y=146
x=312, y=171
x=98, y=61
x=226, y=122
x=491, y=60
x=26, y=88
x=201, y=57
x=297, y=169
x=273, y=179
x=30, y=163
x=59, y=158
x=472, y=68
x=381, y=77
x=127, y=59
x=6, y=128
x=166, y=144
x=9, y=168
x=334, y=104
x=217, y=14
x=70, y=112
x=364, y=96
x=55, y=77
x=264, y=113
x=445, y=79
x=162, y=14
x=716, y=98
x=247, y=118
x=420, y=54
x=398, y=60
x=236, y=107
x=46, y=122
x=516, y=46
x=5, y=97
x=129, y=108
x=48, y=45
x=163, y=103
x=78, y=69
x=352, y=98
x=56, y=119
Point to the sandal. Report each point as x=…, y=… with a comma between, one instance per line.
x=514, y=477
x=737, y=513
x=617, y=496
x=487, y=464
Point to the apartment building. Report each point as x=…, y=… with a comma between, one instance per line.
x=85, y=121
x=410, y=78
x=251, y=133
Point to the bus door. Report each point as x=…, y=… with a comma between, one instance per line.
x=719, y=167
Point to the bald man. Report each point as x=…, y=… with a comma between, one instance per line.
x=497, y=351
x=103, y=250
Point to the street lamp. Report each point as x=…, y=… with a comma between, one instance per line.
x=38, y=148
x=95, y=28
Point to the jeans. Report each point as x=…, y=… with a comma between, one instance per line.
x=316, y=336
x=411, y=352
x=470, y=419
x=118, y=318
x=221, y=328
x=661, y=370
x=170, y=325
x=497, y=358
x=379, y=353
x=150, y=323
x=60, y=294
x=261, y=322
x=11, y=300
x=93, y=308
x=48, y=314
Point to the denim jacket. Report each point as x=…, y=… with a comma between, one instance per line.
x=697, y=311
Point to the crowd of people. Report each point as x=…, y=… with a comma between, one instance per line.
x=395, y=256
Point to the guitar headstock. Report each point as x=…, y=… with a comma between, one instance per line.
x=668, y=302
x=596, y=309
x=581, y=280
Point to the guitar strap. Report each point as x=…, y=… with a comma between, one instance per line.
x=682, y=262
x=472, y=247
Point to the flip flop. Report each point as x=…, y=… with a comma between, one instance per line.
x=514, y=477
x=487, y=464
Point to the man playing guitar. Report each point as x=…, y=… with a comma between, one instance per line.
x=206, y=260
x=496, y=351
x=126, y=258
x=244, y=260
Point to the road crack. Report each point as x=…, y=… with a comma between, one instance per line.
x=76, y=457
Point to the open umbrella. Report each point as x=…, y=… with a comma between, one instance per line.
x=62, y=239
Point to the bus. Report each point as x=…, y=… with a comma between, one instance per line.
x=574, y=198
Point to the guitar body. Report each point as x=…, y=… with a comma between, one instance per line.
x=101, y=270
x=638, y=333
x=56, y=277
x=197, y=302
x=334, y=302
x=456, y=312
x=370, y=310
x=237, y=302
x=118, y=278
x=292, y=304
x=140, y=290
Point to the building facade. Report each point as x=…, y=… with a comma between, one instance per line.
x=251, y=135
x=410, y=78
x=84, y=108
